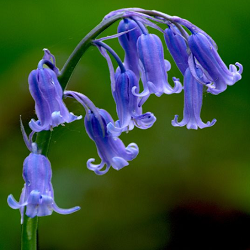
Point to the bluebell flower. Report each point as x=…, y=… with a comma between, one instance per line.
x=128, y=105
x=208, y=57
x=177, y=47
x=47, y=93
x=128, y=42
x=37, y=194
x=154, y=68
x=193, y=92
x=110, y=149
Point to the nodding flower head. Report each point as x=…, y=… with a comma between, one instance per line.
x=37, y=194
x=177, y=47
x=128, y=42
x=128, y=106
x=193, y=92
x=207, y=56
x=153, y=67
x=47, y=93
x=110, y=149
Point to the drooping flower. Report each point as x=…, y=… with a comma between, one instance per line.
x=154, y=68
x=128, y=106
x=128, y=42
x=193, y=92
x=110, y=149
x=177, y=47
x=47, y=93
x=206, y=54
x=37, y=194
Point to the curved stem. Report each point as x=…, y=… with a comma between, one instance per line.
x=112, y=52
x=86, y=42
x=78, y=52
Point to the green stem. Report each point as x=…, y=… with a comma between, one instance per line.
x=80, y=49
x=29, y=233
x=43, y=141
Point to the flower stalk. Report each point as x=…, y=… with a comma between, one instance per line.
x=29, y=233
x=144, y=59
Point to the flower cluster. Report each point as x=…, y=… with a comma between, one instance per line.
x=195, y=54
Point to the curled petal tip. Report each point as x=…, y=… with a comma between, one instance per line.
x=97, y=167
x=119, y=163
x=175, y=122
x=65, y=211
x=12, y=202
x=177, y=85
x=240, y=71
x=92, y=166
x=113, y=130
x=144, y=93
x=145, y=121
x=133, y=150
x=36, y=126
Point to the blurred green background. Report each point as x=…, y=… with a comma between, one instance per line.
x=184, y=190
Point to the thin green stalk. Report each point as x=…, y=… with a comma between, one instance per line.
x=29, y=233
x=80, y=49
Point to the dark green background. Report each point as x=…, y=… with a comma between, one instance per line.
x=176, y=167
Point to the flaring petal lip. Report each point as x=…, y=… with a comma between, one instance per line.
x=193, y=93
x=154, y=67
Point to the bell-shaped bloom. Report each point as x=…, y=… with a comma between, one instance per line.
x=193, y=92
x=177, y=47
x=206, y=54
x=128, y=42
x=154, y=68
x=47, y=93
x=127, y=105
x=110, y=149
x=37, y=194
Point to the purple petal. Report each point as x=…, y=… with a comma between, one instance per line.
x=13, y=203
x=45, y=208
x=65, y=211
x=193, y=92
x=118, y=163
x=145, y=121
